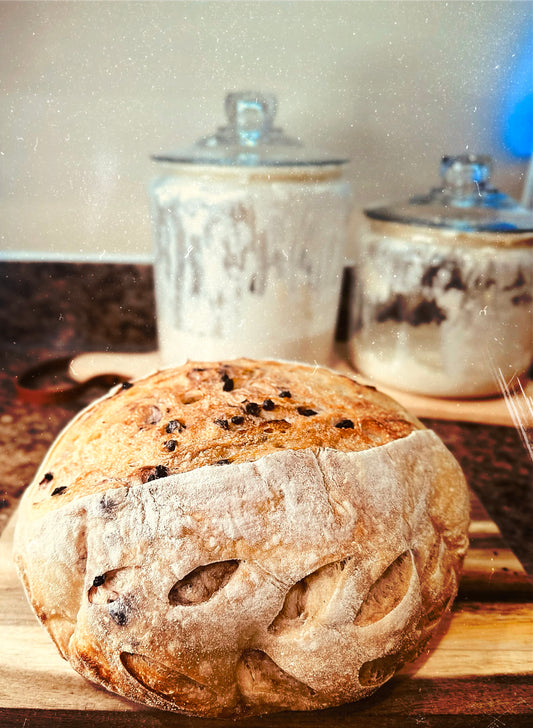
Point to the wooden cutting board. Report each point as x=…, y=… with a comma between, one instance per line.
x=477, y=670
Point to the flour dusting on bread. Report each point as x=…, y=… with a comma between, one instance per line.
x=237, y=538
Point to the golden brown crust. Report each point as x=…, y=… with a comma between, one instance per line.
x=301, y=575
x=213, y=413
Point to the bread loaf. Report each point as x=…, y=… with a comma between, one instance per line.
x=229, y=539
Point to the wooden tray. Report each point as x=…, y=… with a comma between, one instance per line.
x=476, y=674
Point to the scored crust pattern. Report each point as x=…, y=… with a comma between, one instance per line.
x=301, y=574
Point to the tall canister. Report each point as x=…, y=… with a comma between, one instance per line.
x=250, y=241
x=443, y=302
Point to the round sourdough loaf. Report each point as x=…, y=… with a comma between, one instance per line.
x=228, y=539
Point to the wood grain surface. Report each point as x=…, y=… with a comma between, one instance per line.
x=477, y=672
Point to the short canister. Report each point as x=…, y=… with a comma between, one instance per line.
x=444, y=288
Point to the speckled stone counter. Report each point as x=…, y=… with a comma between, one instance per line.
x=50, y=310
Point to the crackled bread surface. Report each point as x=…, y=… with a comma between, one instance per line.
x=236, y=538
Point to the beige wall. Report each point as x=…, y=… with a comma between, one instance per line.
x=90, y=89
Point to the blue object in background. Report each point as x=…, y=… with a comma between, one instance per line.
x=518, y=107
x=518, y=133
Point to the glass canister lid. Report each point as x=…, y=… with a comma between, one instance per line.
x=466, y=202
x=249, y=139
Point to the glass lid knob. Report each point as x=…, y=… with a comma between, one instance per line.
x=250, y=115
x=465, y=173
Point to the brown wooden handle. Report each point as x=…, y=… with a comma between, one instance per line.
x=49, y=382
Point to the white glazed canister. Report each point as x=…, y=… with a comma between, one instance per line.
x=250, y=236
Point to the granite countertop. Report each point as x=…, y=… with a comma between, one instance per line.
x=50, y=310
